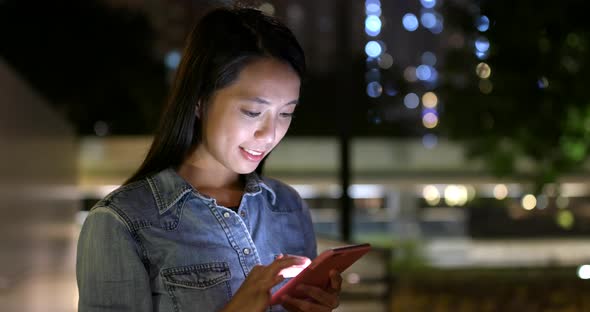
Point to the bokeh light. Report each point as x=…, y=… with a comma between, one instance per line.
x=565, y=219
x=584, y=272
x=429, y=4
x=482, y=55
x=429, y=100
x=429, y=140
x=482, y=44
x=438, y=25
x=373, y=49
x=372, y=25
x=483, y=23
x=431, y=195
x=374, y=89
x=485, y=86
x=411, y=100
x=428, y=20
x=375, y=2
x=410, y=74
x=542, y=201
x=456, y=195
x=483, y=70
x=410, y=22
x=353, y=278
x=429, y=110
x=267, y=8
x=172, y=59
x=423, y=72
x=529, y=202
x=430, y=120
x=385, y=61
x=543, y=83
x=433, y=75
x=428, y=58
x=373, y=8
x=500, y=191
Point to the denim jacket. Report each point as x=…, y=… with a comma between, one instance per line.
x=159, y=245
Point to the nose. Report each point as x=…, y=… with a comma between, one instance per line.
x=266, y=131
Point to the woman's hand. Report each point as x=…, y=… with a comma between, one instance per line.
x=322, y=300
x=254, y=294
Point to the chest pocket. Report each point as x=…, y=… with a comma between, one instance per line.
x=204, y=286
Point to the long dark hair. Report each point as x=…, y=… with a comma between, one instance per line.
x=221, y=44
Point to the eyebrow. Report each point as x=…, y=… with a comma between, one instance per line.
x=263, y=101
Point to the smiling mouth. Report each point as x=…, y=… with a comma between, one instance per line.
x=252, y=152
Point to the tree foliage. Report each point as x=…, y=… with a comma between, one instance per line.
x=535, y=105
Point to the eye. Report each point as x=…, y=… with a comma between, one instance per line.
x=250, y=113
x=288, y=115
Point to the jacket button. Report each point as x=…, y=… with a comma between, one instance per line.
x=226, y=214
x=243, y=214
x=246, y=251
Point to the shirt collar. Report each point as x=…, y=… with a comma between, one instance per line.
x=168, y=188
x=255, y=185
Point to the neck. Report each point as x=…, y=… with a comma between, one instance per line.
x=207, y=178
x=226, y=188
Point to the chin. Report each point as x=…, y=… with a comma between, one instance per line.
x=245, y=169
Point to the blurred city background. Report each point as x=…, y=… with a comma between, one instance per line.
x=453, y=135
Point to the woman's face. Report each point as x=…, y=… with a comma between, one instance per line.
x=247, y=119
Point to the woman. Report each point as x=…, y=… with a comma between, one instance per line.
x=196, y=228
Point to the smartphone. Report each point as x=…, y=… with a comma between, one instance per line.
x=317, y=273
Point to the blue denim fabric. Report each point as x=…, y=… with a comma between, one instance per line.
x=160, y=245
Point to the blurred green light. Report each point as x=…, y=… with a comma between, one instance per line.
x=565, y=219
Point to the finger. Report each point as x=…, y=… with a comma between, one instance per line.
x=285, y=262
x=300, y=260
x=268, y=276
x=303, y=305
x=321, y=296
x=335, y=280
x=277, y=280
x=289, y=307
x=265, y=280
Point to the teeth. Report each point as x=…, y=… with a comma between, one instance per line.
x=255, y=153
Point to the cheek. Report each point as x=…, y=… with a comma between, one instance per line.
x=228, y=127
x=213, y=132
x=238, y=131
x=282, y=129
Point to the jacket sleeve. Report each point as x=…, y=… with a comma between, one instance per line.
x=109, y=271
